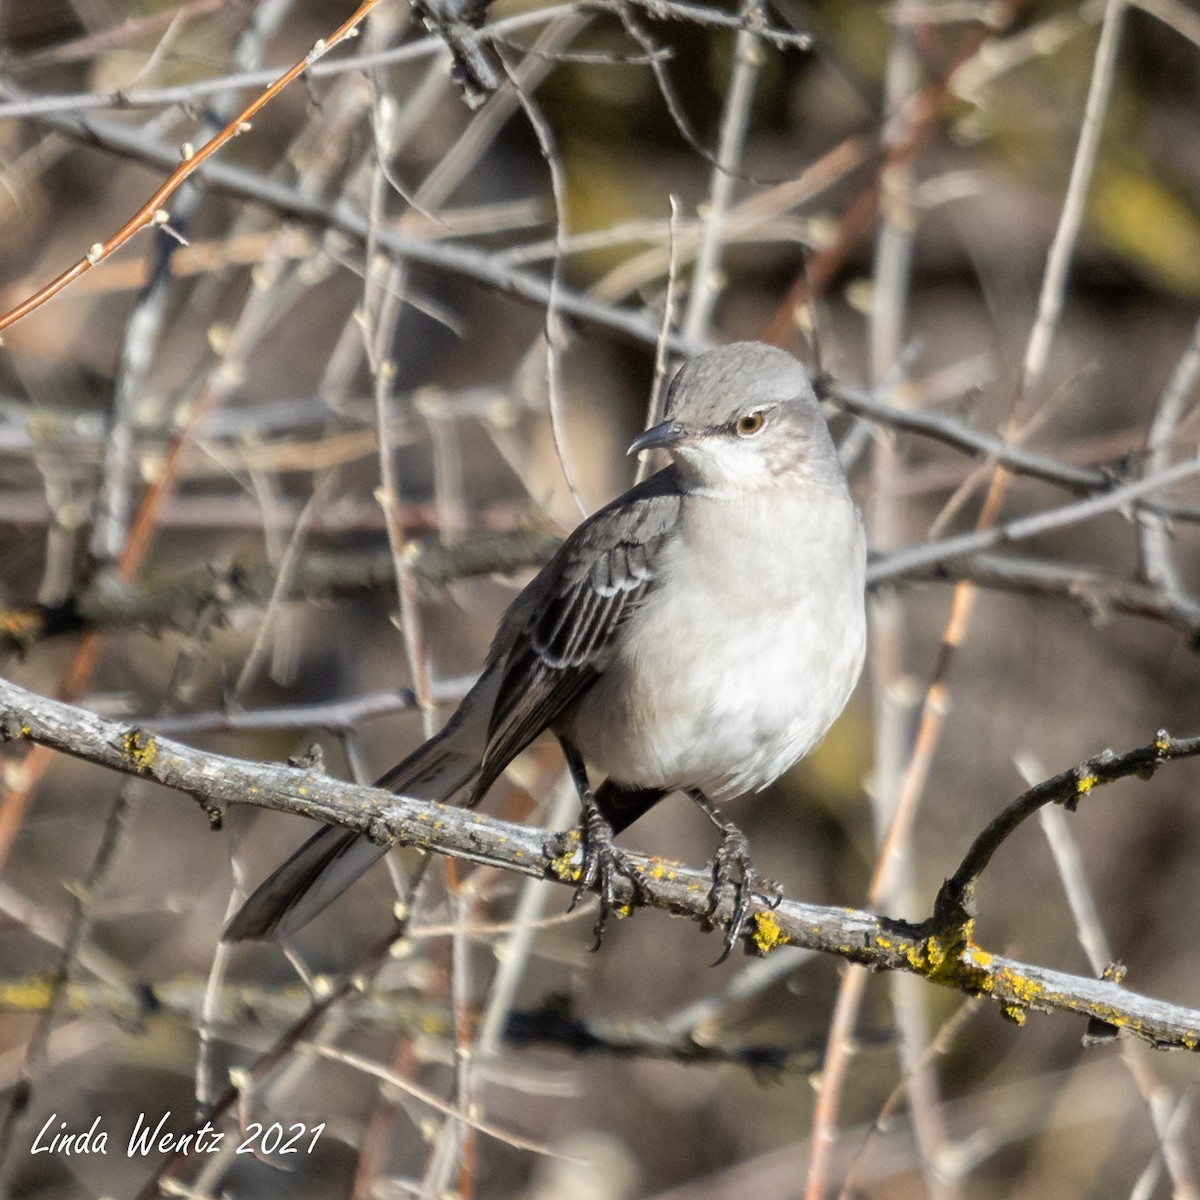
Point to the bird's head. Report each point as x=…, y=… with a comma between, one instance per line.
x=744, y=418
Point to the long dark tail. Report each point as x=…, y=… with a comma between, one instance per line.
x=333, y=858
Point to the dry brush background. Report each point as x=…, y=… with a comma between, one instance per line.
x=398, y=321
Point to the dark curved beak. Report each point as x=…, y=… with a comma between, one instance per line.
x=658, y=437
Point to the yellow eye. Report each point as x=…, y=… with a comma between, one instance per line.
x=750, y=424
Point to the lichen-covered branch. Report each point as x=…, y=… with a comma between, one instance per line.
x=939, y=951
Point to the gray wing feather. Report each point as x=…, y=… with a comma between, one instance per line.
x=552, y=644
x=563, y=625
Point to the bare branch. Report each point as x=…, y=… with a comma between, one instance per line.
x=172, y=602
x=1058, y=263
x=152, y=210
x=956, y=898
x=928, y=553
x=1098, y=594
x=462, y=260
x=1157, y=560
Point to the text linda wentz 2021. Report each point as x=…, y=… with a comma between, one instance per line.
x=145, y=1138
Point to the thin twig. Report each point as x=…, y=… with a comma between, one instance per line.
x=281, y=591
x=1154, y=536
x=735, y=116
x=1160, y=1099
x=367, y=1067
x=193, y=158
x=514, y=956
x=20, y=1092
x=462, y=260
x=1098, y=594
x=927, y=553
x=895, y=799
x=553, y=332
x=657, y=401
x=956, y=897
x=1066, y=233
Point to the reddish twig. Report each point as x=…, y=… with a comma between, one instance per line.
x=149, y=213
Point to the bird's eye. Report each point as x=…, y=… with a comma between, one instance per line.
x=749, y=424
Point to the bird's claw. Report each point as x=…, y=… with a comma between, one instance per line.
x=602, y=864
x=733, y=872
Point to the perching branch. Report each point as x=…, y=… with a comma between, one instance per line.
x=940, y=953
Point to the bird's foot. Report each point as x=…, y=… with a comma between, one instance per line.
x=735, y=880
x=602, y=865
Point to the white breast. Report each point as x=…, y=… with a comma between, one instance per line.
x=740, y=661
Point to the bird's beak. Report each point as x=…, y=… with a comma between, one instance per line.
x=658, y=437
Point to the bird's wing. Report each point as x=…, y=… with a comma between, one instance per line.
x=564, y=623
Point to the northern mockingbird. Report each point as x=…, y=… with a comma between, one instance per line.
x=698, y=634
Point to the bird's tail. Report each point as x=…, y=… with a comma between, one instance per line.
x=333, y=858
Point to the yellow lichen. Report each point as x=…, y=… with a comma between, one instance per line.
x=431, y=1024
x=951, y=959
x=1027, y=991
x=937, y=953
x=27, y=995
x=1084, y=784
x=563, y=865
x=979, y=956
x=140, y=748
x=1015, y=1013
x=767, y=933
